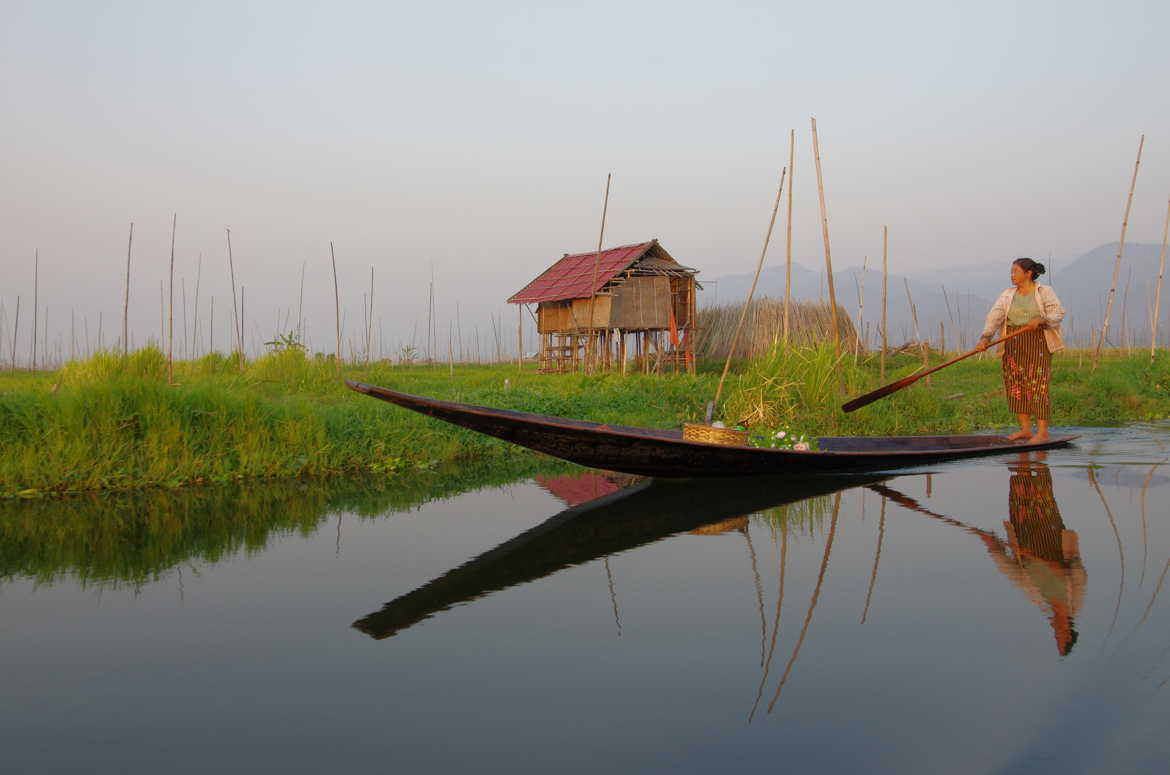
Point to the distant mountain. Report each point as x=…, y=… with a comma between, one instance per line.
x=960, y=297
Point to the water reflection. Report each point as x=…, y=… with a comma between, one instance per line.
x=639, y=514
x=135, y=538
x=1042, y=557
x=1038, y=554
x=917, y=602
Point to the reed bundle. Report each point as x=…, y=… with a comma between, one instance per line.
x=809, y=323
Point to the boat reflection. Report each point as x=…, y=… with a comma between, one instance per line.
x=645, y=512
x=1039, y=554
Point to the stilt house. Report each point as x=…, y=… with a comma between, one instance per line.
x=604, y=310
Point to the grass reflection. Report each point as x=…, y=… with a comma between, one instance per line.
x=134, y=538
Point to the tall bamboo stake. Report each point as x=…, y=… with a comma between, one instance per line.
x=211, y=327
x=861, y=303
x=183, y=296
x=242, y=329
x=1120, y=249
x=751, y=291
x=825, y=233
x=788, y=233
x=171, y=308
x=520, y=337
x=36, y=280
x=885, y=287
x=195, y=313
x=370, y=318
x=235, y=312
x=126, y=296
x=301, y=307
x=1158, y=292
x=336, y=305
x=431, y=316
x=917, y=336
x=15, y=331
x=592, y=346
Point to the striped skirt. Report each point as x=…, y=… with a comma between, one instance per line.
x=1027, y=370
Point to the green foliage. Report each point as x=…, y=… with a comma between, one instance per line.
x=148, y=363
x=289, y=341
x=112, y=422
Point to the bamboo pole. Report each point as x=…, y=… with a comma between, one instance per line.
x=15, y=331
x=126, y=296
x=589, y=356
x=1120, y=250
x=1158, y=286
x=825, y=234
x=788, y=233
x=195, y=313
x=183, y=294
x=370, y=318
x=36, y=282
x=235, y=311
x=301, y=307
x=917, y=336
x=860, y=306
x=751, y=292
x=336, y=305
x=885, y=288
x=171, y=308
x=520, y=337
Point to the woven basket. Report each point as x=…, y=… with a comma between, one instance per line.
x=693, y=431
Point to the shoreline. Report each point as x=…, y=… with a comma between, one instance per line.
x=112, y=423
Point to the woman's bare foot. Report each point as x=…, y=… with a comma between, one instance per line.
x=1020, y=435
x=1039, y=438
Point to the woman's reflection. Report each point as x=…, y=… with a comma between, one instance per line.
x=1041, y=555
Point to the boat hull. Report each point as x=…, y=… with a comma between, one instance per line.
x=665, y=453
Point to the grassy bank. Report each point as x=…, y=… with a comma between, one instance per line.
x=113, y=422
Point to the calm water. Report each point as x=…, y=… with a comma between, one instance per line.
x=997, y=615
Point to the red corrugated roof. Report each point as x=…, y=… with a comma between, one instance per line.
x=572, y=276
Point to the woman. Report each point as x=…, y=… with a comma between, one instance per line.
x=1027, y=358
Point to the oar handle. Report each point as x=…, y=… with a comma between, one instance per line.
x=905, y=382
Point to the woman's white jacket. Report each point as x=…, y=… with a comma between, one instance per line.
x=1050, y=309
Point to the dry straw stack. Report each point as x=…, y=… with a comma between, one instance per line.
x=809, y=323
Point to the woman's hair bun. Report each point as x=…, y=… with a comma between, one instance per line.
x=1028, y=265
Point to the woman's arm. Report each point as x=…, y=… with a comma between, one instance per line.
x=1050, y=306
x=995, y=318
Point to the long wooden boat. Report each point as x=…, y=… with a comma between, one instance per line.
x=656, y=452
x=646, y=512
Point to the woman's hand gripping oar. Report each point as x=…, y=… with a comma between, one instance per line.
x=894, y=387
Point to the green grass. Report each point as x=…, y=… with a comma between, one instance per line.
x=112, y=422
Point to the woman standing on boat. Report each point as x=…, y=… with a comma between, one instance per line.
x=1027, y=358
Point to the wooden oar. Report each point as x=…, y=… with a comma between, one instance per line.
x=894, y=387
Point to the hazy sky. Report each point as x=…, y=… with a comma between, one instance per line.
x=473, y=140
